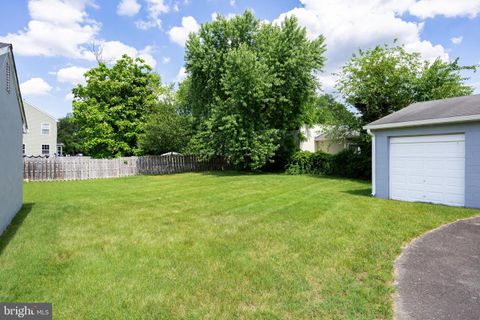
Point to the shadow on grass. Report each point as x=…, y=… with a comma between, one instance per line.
x=16, y=223
x=360, y=192
x=227, y=173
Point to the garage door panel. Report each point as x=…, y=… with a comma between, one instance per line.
x=433, y=181
x=414, y=179
x=455, y=182
x=435, y=197
x=402, y=194
x=428, y=168
x=455, y=199
x=446, y=149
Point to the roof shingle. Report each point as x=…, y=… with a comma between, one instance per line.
x=433, y=110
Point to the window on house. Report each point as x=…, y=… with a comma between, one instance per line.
x=45, y=149
x=45, y=129
x=8, y=74
x=23, y=149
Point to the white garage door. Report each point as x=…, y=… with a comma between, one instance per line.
x=428, y=169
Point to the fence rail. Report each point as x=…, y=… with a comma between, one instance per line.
x=81, y=168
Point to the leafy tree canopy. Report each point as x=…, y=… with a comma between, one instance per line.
x=167, y=129
x=112, y=108
x=67, y=134
x=338, y=120
x=385, y=79
x=249, y=86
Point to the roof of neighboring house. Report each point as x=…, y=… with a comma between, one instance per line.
x=9, y=49
x=325, y=137
x=458, y=109
x=25, y=102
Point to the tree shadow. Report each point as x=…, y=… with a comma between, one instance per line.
x=360, y=192
x=226, y=173
x=13, y=227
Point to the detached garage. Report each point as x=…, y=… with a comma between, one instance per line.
x=429, y=152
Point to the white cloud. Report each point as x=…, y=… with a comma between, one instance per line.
x=111, y=51
x=456, y=40
x=328, y=81
x=448, y=8
x=476, y=87
x=56, y=28
x=155, y=9
x=229, y=16
x=73, y=75
x=128, y=8
x=181, y=75
x=166, y=60
x=349, y=25
x=63, y=28
x=58, y=11
x=232, y=3
x=69, y=96
x=179, y=35
x=428, y=51
x=35, y=87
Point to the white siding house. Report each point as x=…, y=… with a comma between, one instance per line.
x=315, y=139
x=41, y=137
x=12, y=125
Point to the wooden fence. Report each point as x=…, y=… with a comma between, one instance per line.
x=80, y=168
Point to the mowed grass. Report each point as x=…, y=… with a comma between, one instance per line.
x=210, y=246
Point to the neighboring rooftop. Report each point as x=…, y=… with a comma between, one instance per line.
x=435, y=111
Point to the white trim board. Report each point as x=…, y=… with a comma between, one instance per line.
x=423, y=122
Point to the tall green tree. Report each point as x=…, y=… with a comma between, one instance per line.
x=385, y=79
x=249, y=86
x=339, y=122
x=113, y=106
x=67, y=133
x=168, y=128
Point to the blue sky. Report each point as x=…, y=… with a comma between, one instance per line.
x=52, y=38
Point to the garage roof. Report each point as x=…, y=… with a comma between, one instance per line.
x=458, y=109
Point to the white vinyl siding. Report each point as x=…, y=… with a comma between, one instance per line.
x=428, y=169
x=45, y=129
x=42, y=130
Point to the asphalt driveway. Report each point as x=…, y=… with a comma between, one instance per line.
x=438, y=275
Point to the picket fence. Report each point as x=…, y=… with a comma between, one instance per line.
x=81, y=168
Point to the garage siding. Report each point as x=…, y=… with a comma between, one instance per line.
x=472, y=156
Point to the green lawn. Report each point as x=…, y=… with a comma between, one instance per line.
x=198, y=246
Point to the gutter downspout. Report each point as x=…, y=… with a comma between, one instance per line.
x=374, y=189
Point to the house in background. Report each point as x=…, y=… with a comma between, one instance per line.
x=41, y=137
x=429, y=152
x=316, y=139
x=12, y=124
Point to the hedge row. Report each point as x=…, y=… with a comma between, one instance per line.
x=348, y=163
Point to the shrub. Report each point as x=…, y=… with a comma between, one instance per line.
x=321, y=163
x=349, y=163
x=300, y=163
x=352, y=164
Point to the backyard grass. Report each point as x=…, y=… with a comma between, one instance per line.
x=218, y=246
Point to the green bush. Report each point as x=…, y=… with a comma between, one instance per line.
x=349, y=163
x=300, y=163
x=321, y=163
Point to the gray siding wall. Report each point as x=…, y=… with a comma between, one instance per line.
x=11, y=164
x=472, y=156
x=34, y=139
